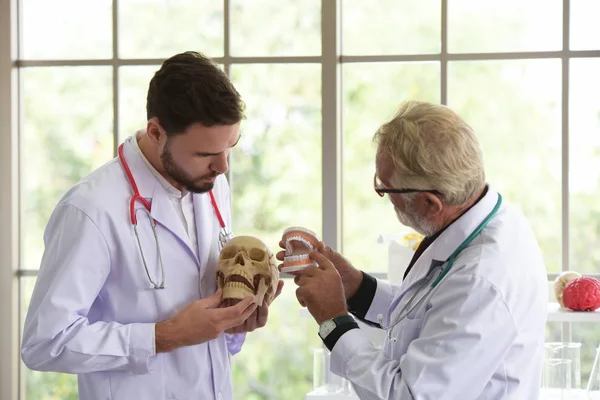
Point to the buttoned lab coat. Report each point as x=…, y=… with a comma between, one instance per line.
x=93, y=312
x=480, y=333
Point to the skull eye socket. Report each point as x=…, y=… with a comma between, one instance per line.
x=228, y=252
x=257, y=254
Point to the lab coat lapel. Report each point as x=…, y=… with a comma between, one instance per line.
x=419, y=271
x=205, y=228
x=164, y=213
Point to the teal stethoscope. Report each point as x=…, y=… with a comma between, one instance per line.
x=403, y=313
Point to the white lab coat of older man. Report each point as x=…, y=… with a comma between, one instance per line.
x=479, y=334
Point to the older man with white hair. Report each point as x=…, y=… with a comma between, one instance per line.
x=467, y=322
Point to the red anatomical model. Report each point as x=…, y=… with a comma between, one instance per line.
x=582, y=294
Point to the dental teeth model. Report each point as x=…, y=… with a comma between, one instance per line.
x=299, y=242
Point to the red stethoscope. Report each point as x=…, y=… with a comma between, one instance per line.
x=224, y=234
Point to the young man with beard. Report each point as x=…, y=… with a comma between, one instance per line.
x=467, y=322
x=126, y=295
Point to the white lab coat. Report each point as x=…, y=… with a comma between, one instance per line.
x=93, y=312
x=480, y=333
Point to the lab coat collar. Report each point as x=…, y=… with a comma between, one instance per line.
x=460, y=229
x=442, y=247
x=171, y=191
x=150, y=188
x=144, y=178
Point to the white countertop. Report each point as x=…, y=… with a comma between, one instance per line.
x=558, y=314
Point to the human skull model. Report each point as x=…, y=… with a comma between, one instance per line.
x=247, y=268
x=299, y=242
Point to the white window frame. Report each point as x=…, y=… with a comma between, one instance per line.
x=331, y=62
x=9, y=304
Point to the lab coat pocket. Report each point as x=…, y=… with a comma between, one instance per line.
x=124, y=385
x=401, y=337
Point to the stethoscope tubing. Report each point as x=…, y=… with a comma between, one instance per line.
x=435, y=283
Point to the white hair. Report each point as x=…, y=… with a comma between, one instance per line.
x=432, y=147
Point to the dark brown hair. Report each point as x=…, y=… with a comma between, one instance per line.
x=190, y=88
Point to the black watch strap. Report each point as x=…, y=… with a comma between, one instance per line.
x=343, y=319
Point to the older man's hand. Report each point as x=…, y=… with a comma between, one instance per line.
x=320, y=289
x=258, y=318
x=351, y=277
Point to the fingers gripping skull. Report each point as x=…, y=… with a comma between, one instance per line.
x=247, y=268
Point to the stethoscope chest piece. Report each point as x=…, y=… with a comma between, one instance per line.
x=224, y=237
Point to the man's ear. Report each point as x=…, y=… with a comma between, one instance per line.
x=433, y=205
x=153, y=130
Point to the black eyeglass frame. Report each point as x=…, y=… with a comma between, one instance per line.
x=382, y=191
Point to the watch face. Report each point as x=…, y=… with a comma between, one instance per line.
x=326, y=328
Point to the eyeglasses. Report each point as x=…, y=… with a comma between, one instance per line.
x=381, y=190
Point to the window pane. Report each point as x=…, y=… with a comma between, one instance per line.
x=84, y=32
x=584, y=165
x=514, y=108
x=585, y=30
x=497, y=26
x=133, y=89
x=391, y=27
x=370, y=101
x=67, y=132
x=268, y=28
x=43, y=385
x=276, y=183
x=279, y=149
x=276, y=361
x=160, y=29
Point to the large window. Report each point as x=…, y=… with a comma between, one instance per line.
x=318, y=78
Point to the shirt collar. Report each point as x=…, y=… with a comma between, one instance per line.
x=449, y=240
x=170, y=190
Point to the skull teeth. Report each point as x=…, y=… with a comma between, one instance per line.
x=240, y=278
x=240, y=272
x=239, y=285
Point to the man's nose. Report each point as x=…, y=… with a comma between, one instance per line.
x=220, y=163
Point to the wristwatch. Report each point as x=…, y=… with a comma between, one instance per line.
x=329, y=325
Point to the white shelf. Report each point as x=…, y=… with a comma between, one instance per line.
x=555, y=314
x=558, y=314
